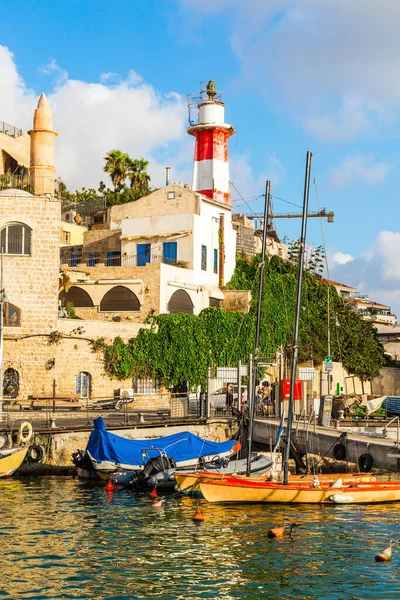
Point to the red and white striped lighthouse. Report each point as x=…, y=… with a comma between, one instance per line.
x=207, y=124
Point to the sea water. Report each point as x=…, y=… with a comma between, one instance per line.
x=66, y=538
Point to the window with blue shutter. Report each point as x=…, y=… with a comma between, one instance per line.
x=204, y=258
x=170, y=252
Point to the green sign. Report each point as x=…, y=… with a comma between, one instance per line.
x=328, y=359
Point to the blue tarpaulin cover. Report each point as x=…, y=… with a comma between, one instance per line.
x=106, y=446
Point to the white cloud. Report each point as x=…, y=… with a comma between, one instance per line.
x=249, y=184
x=104, y=77
x=334, y=62
x=92, y=118
x=376, y=272
x=358, y=167
x=52, y=68
x=342, y=258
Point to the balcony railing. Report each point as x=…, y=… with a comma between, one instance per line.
x=10, y=129
x=114, y=259
x=42, y=185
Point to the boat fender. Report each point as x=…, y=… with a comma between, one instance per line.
x=365, y=463
x=24, y=432
x=341, y=498
x=4, y=441
x=337, y=483
x=36, y=453
x=339, y=452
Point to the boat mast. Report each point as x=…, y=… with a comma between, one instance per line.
x=258, y=323
x=295, y=346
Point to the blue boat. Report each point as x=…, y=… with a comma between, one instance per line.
x=109, y=452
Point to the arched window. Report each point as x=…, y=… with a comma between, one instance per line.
x=82, y=384
x=16, y=239
x=10, y=383
x=180, y=302
x=79, y=297
x=119, y=298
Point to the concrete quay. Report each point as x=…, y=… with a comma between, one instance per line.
x=72, y=433
x=318, y=440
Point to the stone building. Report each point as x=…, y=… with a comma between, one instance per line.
x=164, y=253
x=14, y=153
x=44, y=354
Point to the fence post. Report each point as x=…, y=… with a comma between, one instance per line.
x=208, y=404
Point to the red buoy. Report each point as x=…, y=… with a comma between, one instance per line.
x=198, y=515
x=110, y=485
x=154, y=493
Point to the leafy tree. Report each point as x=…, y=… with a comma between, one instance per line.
x=117, y=165
x=180, y=347
x=138, y=175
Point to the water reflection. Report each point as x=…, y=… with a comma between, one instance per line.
x=70, y=539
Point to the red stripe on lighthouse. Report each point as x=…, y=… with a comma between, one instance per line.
x=212, y=143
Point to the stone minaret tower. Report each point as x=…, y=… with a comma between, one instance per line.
x=42, y=170
x=207, y=124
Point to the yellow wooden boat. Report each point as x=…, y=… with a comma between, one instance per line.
x=11, y=460
x=190, y=482
x=241, y=490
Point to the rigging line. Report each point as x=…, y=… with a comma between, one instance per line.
x=253, y=285
x=234, y=186
x=326, y=262
x=292, y=203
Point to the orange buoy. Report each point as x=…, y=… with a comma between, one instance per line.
x=279, y=532
x=157, y=502
x=154, y=493
x=276, y=532
x=386, y=554
x=198, y=515
x=110, y=485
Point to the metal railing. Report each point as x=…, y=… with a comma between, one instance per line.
x=27, y=183
x=384, y=431
x=110, y=259
x=10, y=130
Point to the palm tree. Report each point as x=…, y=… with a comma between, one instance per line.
x=117, y=165
x=139, y=176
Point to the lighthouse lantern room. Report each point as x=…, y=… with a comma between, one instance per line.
x=207, y=124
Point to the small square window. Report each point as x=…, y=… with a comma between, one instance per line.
x=171, y=195
x=67, y=237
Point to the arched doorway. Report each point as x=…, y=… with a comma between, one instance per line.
x=180, y=302
x=119, y=298
x=79, y=297
x=10, y=383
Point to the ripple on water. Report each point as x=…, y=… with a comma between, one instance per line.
x=69, y=539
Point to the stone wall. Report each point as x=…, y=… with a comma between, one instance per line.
x=40, y=364
x=236, y=300
x=387, y=383
x=146, y=288
x=31, y=281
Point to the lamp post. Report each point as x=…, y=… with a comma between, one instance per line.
x=3, y=300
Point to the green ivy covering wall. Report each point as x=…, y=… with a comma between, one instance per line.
x=183, y=346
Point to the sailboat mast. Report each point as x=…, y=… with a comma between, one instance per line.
x=258, y=323
x=295, y=346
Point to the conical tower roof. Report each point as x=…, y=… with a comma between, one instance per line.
x=43, y=118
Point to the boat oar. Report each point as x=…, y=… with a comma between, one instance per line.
x=386, y=554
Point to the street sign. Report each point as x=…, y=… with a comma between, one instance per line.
x=328, y=365
x=328, y=359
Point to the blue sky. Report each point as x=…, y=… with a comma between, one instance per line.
x=295, y=76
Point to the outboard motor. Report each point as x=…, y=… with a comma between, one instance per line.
x=157, y=464
x=82, y=460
